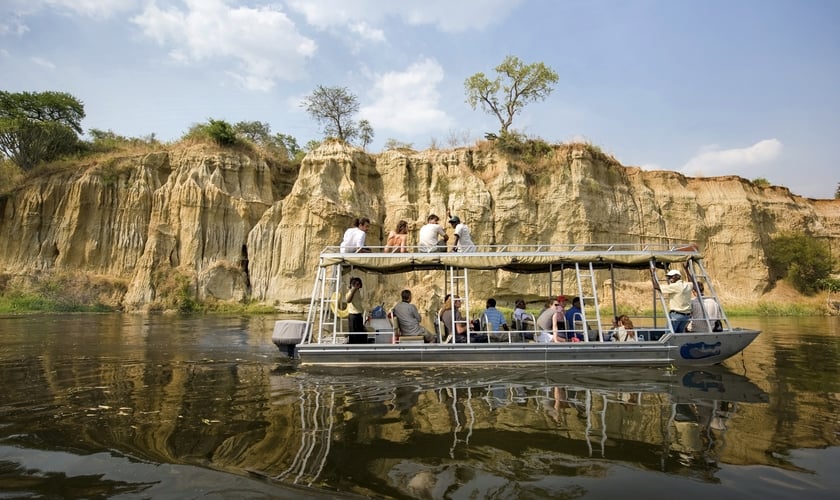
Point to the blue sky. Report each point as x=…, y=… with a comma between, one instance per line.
x=739, y=87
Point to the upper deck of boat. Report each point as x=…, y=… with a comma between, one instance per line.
x=537, y=258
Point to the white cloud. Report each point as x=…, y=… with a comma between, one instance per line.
x=446, y=15
x=713, y=161
x=42, y=62
x=408, y=102
x=264, y=43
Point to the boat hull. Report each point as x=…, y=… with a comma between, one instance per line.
x=677, y=350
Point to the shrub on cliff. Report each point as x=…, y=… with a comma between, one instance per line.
x=219, y=132
x=800, y=258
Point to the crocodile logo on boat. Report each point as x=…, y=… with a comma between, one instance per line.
x=699, y=350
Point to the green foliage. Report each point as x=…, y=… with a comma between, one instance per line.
x=256, y=132
x=801, y=259
x=365, y=133
x=107, y=141
x=222, y=132
x=219, y=132
x=829, y=284
x=837, y=193
x=393, y=144
x=10, y=175
x=175, y=289
x=312, y=145
x=39, y=127
x=761, y=182
x=530, y=151
x=333, y=108
x=290, y=145
x=516, y=84
x=58, y=293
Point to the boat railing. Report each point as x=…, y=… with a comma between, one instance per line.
x=538, y=248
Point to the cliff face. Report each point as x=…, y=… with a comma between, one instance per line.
x=236, y=226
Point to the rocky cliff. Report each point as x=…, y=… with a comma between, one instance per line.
x=235, y=225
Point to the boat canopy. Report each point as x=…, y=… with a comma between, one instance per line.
x=514, y=258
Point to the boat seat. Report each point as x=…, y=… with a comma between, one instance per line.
x=412, y=339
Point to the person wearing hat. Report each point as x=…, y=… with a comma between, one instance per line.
x=678, y=294
x=463, y=240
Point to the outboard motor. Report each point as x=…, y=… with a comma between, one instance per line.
x=287, y=334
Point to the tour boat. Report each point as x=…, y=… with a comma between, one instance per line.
x=584, y=270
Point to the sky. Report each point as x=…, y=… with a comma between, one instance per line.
x=703, y=87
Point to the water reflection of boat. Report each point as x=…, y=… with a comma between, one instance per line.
x=480, y=419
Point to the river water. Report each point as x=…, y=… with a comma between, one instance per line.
x=131, y=406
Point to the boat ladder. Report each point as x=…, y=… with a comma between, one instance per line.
x=459, y=285
x=328, y=293
x=588, y=294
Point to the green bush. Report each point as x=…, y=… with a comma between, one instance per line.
x=218, y=131
x=801, y=259
x=529, y=150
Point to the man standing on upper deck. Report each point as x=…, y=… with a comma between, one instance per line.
x=678, y=294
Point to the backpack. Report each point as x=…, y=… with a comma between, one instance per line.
x=378, y=312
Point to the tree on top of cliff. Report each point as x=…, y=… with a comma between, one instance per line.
x=333, y=108
x=38, y=126
x=515, y=85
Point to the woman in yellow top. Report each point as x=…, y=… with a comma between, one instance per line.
x=355, y=309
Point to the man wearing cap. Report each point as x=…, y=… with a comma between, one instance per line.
x=678, y=293
x=463, y=240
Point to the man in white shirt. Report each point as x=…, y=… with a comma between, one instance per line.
x=432, y=237
x=678, y=294
x=463, y=240
x=703, y=308
x=354, y=237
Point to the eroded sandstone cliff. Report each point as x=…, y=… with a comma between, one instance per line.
x=235, y=225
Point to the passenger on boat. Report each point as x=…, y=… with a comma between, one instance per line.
x=624, y=331
x=398, y=239
x=548, y=323
x=355, y=309
x=573, y=316
x=354, y=237
x=432, y=237
x=678, y=293
x=494, y=321
x=463, y=239
x=702, y=308
x=519, y=314
x=451, y=312
x=408, y=318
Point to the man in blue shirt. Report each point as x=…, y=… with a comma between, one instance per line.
x=494, y=321
x=574, y=314
x=493, y=318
